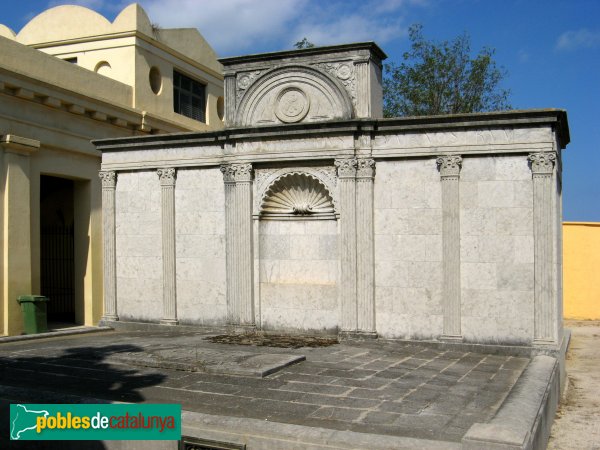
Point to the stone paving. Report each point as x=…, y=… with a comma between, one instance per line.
x=375, y=387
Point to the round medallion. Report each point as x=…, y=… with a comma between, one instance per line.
x=244, y=82
x=291, y=105
x=344, y=72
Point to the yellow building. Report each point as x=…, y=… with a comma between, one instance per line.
x=581, y=261
x=70, y=76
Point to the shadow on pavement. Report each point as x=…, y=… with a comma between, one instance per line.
x=65, y=377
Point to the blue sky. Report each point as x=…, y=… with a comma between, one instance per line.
x=550, y=48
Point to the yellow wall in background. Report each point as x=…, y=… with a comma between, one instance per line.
x=581, y=270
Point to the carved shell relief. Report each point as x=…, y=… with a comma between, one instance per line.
x=297, y=195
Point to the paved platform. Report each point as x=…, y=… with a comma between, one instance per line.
x=374, y=388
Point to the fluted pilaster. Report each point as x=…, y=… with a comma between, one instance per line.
x=365, y=257
x=346, y=169
x=109, y=183
x=363, y=100
x=449, y=167
x=167, y=186
x=230, y=98
x=239, y=236
x=542, y=168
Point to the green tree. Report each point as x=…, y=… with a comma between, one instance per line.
x=304, y=43
x=442, y=78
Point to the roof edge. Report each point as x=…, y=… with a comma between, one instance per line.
x=534, y=117
x=369, y=45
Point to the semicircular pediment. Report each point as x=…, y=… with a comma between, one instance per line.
x=293, y=94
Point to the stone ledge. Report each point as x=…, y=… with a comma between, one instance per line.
x=52, y=334
x=525, y=418
x=263, y=434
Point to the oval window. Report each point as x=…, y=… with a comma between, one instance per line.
x=155, y=79
x=221, y=107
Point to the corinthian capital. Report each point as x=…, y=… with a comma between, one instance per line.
x=365, y=168
x=449, y=165
x=109, y=179
x=242, y=172
x=166, y=176
x=228, y=173
x=233, y=173
x=542, y=163
x=346, y=168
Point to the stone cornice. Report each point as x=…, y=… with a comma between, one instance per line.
x=329, y=51
x=17, y=144
x=119, y=115
x=555, y=118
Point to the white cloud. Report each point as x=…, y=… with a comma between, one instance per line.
x=241, y=26
x=228, y=25
x=346, y=29
x=247, y=26
x=582, y=38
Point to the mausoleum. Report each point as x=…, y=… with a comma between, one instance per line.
x=311, y=213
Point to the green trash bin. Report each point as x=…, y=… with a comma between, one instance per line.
x=34, y=313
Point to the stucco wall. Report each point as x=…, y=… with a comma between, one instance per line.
x=298, y=275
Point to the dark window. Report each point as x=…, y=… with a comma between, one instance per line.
x=188, y=97
x=72, y=60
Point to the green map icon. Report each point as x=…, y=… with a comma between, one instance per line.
x=23, y=419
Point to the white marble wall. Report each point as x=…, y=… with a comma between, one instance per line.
x=408, y=249
x=298, y=273
x=138, y=247
x=200, y=246
x=497, y=249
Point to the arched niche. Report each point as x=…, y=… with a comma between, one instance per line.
x=293, y=94
x=297, y=196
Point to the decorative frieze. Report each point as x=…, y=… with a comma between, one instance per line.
x=449, y=166
x=109, y=183
x=167, y=183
